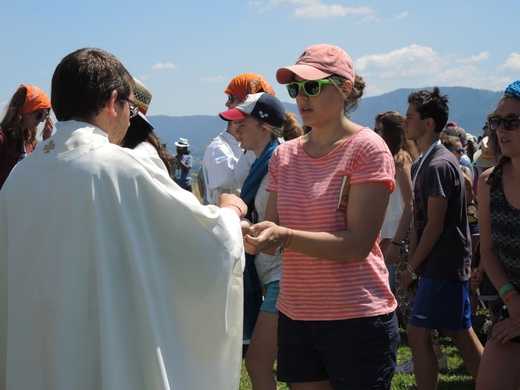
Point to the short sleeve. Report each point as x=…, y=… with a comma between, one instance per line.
x=372, y=162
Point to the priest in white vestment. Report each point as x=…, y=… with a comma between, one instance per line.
x=112, y=276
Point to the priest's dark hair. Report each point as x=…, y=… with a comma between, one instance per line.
x=83, y=82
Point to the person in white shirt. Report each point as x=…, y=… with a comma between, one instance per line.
x=225, y=164
x=218, y=165
x=111, y=275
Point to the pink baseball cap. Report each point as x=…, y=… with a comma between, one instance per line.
x=318, y=62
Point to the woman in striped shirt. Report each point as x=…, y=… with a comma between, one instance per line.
x=329, y=190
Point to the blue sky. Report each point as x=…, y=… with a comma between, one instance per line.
x=187, y=52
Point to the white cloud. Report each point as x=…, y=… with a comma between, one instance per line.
x=418, y=66
x=312, y=9
x=410, y=61
x=319, y=10
x=368, y=19
x=212, y=80
x=481, y=57
x=402, y=16
x=464, y=75
x=499, y=83
x=165, y=66
x=512, y=63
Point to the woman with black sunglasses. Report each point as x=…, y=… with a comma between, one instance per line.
x=499, y=222
x=28, y=107
x=328, y=193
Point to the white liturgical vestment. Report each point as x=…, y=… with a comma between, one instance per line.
x=111, y=276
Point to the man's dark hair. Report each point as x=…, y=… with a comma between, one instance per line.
x=83, y=81
x=431, y=105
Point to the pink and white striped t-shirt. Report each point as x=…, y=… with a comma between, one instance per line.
x=308, y=191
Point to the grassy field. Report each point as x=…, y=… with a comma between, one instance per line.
x=457, y=377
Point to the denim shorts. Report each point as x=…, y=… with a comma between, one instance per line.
x=473, y=229
x=357, y=353
x=441, y=304
x=272, y=290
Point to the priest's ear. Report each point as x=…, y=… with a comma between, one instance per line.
x=110, y=104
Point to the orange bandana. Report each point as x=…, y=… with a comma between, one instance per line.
x=35, y=100
x=248, y=83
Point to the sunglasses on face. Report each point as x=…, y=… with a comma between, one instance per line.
x=510, y=122
x=310, y=87
x=134, y=107
x=458, y=150
x=42, y=114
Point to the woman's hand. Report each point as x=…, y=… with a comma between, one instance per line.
x=47, y=129
x=504, y=331
x=265, y=237
x=476, y=280
x=245, y=224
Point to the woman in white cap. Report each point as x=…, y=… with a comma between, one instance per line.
x=182, y=163
x=261, y=122
x=329, y=190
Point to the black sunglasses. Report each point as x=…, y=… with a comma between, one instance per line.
x=134, y=107
x=458, y=150
x=510, y=122
x=42, y=114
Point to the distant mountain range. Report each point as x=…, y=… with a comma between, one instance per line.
x=468, y=107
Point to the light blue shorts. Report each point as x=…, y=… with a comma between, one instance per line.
x=271, y=296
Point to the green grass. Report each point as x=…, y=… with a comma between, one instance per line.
x=245, y=382
x=457, y=377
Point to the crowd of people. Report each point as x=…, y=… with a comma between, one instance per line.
x=313, y=243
